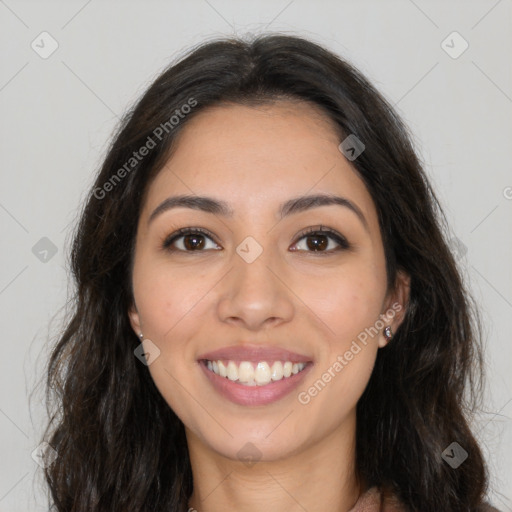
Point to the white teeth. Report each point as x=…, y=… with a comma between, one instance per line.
x=245, y=372
x=248, y=374
x=232, y=371
x=262, y=374
x=223, y=372
x=277, y=371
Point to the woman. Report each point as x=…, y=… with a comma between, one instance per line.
x=267, y=315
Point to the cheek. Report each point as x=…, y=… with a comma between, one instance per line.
x=169, y=305
x=166, y=296
x=346, y=302
x=348, y=312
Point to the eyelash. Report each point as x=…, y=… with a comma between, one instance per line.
x=330, y=233
x=320, y=230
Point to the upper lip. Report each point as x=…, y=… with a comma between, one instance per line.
x=254, y=353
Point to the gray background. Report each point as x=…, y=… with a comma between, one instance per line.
x=57, y=114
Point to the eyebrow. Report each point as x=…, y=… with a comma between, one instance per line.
x=290, y=207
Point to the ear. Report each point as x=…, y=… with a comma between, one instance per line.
x=134, y=319
x=395, y=305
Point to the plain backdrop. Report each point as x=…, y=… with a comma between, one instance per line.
x=59, y=109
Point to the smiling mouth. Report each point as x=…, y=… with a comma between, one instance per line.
x=248, y=373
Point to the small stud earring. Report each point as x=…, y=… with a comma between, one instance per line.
x=141, y=336
x=388, y=333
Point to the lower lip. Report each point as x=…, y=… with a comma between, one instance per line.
x=254, y=395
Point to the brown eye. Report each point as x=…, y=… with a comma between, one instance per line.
x=193, y=242
x=317, y=242
x=190, y=240
x=321, y=240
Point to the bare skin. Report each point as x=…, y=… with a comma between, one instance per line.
x=312, y=302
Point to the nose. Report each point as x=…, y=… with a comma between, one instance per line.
x=254, y=295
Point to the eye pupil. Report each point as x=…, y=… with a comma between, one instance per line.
x=320, y=242
x=192, y=242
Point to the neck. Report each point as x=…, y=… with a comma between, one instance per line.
x=321, y=477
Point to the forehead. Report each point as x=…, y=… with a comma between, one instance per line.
x=268, y=130
x=255, y=157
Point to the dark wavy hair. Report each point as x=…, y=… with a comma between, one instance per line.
x=120, y=446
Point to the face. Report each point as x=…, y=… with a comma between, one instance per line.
x=284, y=295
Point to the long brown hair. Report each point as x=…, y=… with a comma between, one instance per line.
x=120, y=446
